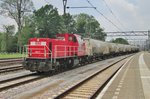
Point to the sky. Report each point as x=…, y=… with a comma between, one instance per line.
x=128, y=15
x=132, y=14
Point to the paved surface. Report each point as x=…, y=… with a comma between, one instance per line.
x=132, y=81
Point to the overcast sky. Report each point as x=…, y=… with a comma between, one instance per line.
x=133, y=14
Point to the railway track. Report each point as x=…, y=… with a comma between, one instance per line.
x=4, y=62
x=11, y=68
x=10, y=58
x=93, y=84
x=17, y=81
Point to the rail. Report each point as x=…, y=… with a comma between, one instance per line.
x=18, y=81
x=11, y=68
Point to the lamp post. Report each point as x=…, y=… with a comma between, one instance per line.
x=148, y=43
x=64, y=5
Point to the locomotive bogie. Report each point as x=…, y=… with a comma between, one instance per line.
x=40, y=65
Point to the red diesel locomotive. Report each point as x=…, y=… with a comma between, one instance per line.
x=46, y=54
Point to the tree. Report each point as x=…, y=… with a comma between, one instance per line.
x=48, y=21
x=68, y=24
x=28, y=30
x=81, y=23
x=1, y=37
x=7, y=40
x=9, y=31
x=120, y=41
x=16, y=9
x=2, y=43
x=88, y=26
x=99, y=34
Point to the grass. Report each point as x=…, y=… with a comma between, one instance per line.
x=10, y=55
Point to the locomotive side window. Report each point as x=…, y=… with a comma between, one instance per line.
x=74, y=39
x=61, y=38
x=70, y=38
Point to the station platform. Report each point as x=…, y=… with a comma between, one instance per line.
x=132, y=81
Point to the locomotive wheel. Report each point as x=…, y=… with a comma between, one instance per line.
x=39, y=72
x=70, y=63
x=57, y=67
x=89, y=60
x=63, y=64
x=83, y=61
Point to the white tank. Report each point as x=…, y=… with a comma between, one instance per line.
x=117, y=48
x=113, y=47
x=96, y=47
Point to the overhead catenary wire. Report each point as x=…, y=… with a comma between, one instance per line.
x=111, y=11
x=105, y=17
x=47, y=2
x=80, y=7
x=92, y=6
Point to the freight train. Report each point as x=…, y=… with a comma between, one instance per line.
x=68, y=50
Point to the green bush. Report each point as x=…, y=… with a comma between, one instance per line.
x=10, y=55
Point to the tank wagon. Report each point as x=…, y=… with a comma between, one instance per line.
x=68, y=50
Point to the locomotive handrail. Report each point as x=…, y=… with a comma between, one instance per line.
x=45, y=53
x=30, y=52
x=70, y=52
x=67, y=50
x=39, y=48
